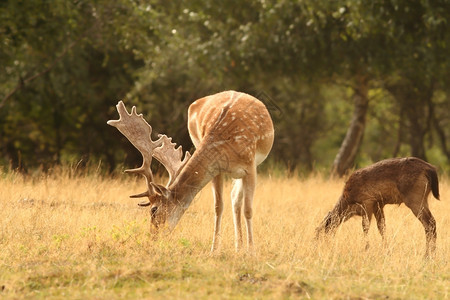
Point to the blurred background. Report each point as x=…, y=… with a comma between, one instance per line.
x=347, y=83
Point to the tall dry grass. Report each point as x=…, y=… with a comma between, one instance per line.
x=80, y=236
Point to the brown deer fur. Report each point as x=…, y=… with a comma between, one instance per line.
x=391, y=181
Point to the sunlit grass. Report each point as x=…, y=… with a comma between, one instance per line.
x=80, y=236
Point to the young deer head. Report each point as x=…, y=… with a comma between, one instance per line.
x=391, y=181
x=232, y=133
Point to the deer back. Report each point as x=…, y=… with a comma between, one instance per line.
x=389, y=180
x=236, y=125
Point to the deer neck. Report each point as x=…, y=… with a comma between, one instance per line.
x=201, y=169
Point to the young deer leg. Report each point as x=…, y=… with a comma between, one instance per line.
x=429, y=223
x=236, y=199
x=366, y=217
x=217, y=187
x=381, y=222
x=423, y=213
x=249, y=182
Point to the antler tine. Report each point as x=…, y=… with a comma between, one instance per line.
x=171, y=157
x=138, y=132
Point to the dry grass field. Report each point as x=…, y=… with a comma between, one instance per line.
x=81, y=237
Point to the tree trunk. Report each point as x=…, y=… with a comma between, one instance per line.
x=416, y=131
x=415, y=101
x=347, y=153
x=443, y=139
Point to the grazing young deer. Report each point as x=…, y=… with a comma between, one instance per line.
x=232, y=133
x=391, y=181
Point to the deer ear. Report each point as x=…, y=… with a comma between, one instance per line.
x=160, y=190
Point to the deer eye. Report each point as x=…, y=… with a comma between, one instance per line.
x=154, y=210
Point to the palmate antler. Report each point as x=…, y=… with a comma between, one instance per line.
x=171, y=157
x=138, y=132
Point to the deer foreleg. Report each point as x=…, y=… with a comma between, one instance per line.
x=217, y=186
x=366, y=218
x=381, y=222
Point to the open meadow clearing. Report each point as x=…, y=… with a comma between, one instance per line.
x=65, y=236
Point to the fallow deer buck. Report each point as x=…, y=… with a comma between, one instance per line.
x=391, y=181
x=232, y=133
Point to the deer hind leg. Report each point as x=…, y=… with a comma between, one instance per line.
x=422, y=212
x=249, y=182
x=236, y=199
x=217, y=186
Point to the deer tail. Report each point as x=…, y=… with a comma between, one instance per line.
x=434, y=182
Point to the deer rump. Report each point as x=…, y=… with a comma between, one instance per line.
x=392, y=181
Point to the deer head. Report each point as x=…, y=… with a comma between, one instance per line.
x=134, y=127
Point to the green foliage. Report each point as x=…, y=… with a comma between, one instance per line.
x=64, y=65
